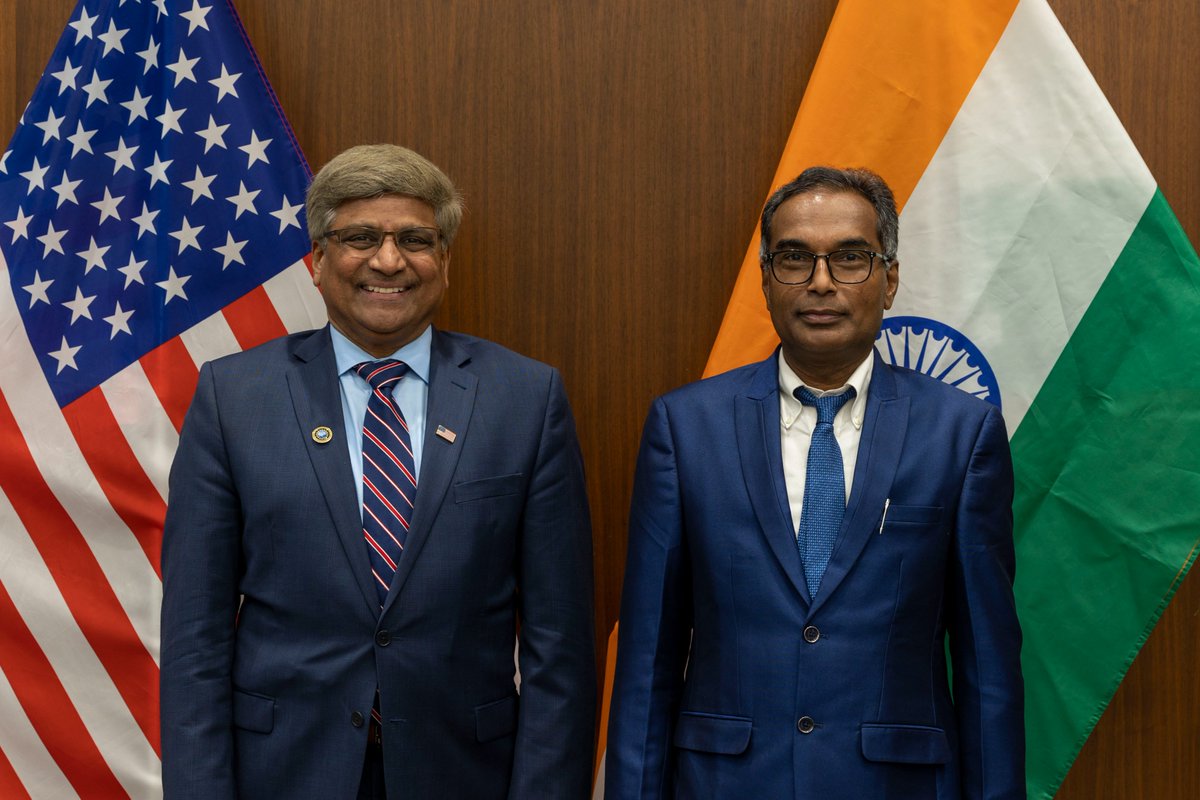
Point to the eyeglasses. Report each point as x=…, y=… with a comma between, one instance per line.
x=367, y=241
x=794, y=267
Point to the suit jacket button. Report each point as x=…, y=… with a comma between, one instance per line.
x=383, y=638
x=805, y=724
x=811, y=634
x=356, y=719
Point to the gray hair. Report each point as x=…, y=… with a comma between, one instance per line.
x=375, y=170
x=864, y=181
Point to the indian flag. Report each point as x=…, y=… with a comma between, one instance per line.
x=1042, y=270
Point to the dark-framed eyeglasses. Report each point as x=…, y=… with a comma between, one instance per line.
x=795, y=267
x=366, y=241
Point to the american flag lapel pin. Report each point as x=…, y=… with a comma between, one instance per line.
x=445, y=433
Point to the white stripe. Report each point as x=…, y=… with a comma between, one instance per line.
x=35, y=767
x=1026, y=205
x=66, y=472
x=146, y=426
x=210, y=338
x=87, y=684
x=296, y=300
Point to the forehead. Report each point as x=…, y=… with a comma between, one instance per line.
x=825, y=218
x=389, y=211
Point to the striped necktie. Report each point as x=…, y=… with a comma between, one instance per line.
x=389, y=474
x=824, y=488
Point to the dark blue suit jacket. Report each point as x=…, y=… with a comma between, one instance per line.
x=263, y=527
x=732, y=683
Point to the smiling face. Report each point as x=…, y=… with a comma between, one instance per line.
x=828, y=328
x=385, y=301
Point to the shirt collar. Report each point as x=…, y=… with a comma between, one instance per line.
x=415, y=354
x=790, y=408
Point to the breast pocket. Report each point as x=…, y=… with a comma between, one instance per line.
x=485, y=488
x=899, y=518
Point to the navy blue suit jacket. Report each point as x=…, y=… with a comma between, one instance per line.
x=272, y=640
x=731, y=682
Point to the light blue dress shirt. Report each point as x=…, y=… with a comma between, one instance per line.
x=411, y=395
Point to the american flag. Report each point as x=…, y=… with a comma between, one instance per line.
x=151, y=218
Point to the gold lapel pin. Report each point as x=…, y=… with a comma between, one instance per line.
x=446, y=433
x=322, y=434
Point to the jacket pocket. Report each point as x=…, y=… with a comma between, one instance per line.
x=713, y=733
x=496, y=719
x=483, y=488
x=901, y=515
x=905, y=744
x=253, y=712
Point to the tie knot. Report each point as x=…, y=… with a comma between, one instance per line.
x=381, y=373
x=827, y=405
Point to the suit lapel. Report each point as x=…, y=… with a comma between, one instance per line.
x=317, y=401
x=879, y=450
x=756, y=420
x=451, y=401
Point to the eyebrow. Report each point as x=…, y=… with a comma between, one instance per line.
x=798, y=244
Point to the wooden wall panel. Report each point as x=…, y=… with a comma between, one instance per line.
x=614, y=155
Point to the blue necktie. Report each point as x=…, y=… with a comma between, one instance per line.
x=389, y=475
x=824, y=488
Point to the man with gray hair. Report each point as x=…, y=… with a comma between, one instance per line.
x=362, y=521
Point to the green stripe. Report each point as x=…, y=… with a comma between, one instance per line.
x=1108, y=473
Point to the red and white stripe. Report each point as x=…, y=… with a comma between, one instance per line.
x=83, y=493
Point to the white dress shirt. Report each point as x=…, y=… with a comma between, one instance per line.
x=796, y=423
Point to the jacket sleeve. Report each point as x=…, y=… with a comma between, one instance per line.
x=655, y=625
x=985, y=636
x=200, y=563
x=555, y=741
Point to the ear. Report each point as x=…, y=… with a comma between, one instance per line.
x=318, y=259
x=446, y=268
x=893, y=284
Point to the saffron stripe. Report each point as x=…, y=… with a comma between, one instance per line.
x=83, y=584
x=919, y=93
x=49, y=709
x=121, y=477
